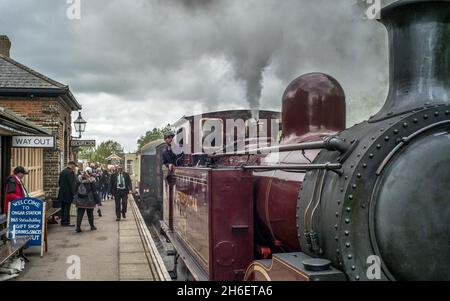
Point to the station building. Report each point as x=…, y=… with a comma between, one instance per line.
x=44, y=105
x=13, y=125
x=114, y=160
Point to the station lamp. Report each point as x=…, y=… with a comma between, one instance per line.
x=80, y=125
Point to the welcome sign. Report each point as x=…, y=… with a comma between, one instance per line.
x=26, y=217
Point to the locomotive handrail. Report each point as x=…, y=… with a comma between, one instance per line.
x=330, y=143
x=298, y=167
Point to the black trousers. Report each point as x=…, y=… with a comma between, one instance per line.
x=121, y=198
x=80, y=215
x=65, y=213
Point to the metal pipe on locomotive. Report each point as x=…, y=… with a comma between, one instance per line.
x=332, y=202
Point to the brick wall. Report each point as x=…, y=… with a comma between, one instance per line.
x=53, y=115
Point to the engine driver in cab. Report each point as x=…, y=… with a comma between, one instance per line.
x=168, y=156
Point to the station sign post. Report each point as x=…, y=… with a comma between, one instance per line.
x=82, y=143
x=26, y=218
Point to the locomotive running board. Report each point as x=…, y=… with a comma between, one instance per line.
x=290, y=267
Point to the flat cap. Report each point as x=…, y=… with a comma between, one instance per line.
x=20, y=169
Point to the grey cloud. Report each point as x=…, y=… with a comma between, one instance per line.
x=198, y=4
x=216, y=54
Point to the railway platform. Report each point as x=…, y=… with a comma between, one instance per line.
x=117, y=251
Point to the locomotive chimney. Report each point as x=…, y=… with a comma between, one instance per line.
x=419, y=42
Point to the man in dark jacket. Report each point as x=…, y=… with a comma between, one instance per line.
x=170, y=159
x=67, y=184
x=168, y=156
x=120, y=188
x=104, y=184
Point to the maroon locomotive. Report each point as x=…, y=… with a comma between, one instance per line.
x=328, y=203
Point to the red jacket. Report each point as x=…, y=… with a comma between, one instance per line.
x=13, y=191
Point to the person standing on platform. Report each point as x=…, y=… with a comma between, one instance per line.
x=111, y=172
x=120, y=188
x=104, y=184
x=86, y=198
x=79, y=170
x=97, y=175
x=67, y=184
x=14, y=187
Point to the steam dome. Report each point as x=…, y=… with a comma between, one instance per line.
x=313, y=102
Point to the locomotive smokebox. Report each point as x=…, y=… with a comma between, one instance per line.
x=419, y=36
x=313, y=103
x=390, y=205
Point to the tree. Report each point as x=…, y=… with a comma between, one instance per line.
x=153, y=135
x=86, y=153
x=106, y=149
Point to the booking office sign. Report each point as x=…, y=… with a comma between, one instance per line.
x=26, y=218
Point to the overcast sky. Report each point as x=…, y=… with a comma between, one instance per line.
x=139, y=64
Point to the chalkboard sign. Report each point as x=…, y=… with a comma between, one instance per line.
x=26, y=217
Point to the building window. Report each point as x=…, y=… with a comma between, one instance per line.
x=33, y=160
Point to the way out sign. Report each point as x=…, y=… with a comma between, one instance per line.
x=26, y=217
x=33, y=141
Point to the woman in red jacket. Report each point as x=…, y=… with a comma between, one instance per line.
x=14, y=188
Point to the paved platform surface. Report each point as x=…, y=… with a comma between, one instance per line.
x=133, y=261
x=114, y=252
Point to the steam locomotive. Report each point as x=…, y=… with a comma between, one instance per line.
x=366, y=203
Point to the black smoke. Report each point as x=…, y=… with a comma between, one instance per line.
x=160, y=59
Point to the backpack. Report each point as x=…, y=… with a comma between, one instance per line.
x=82, y=191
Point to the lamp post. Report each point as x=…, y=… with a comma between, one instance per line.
x=80, y=125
